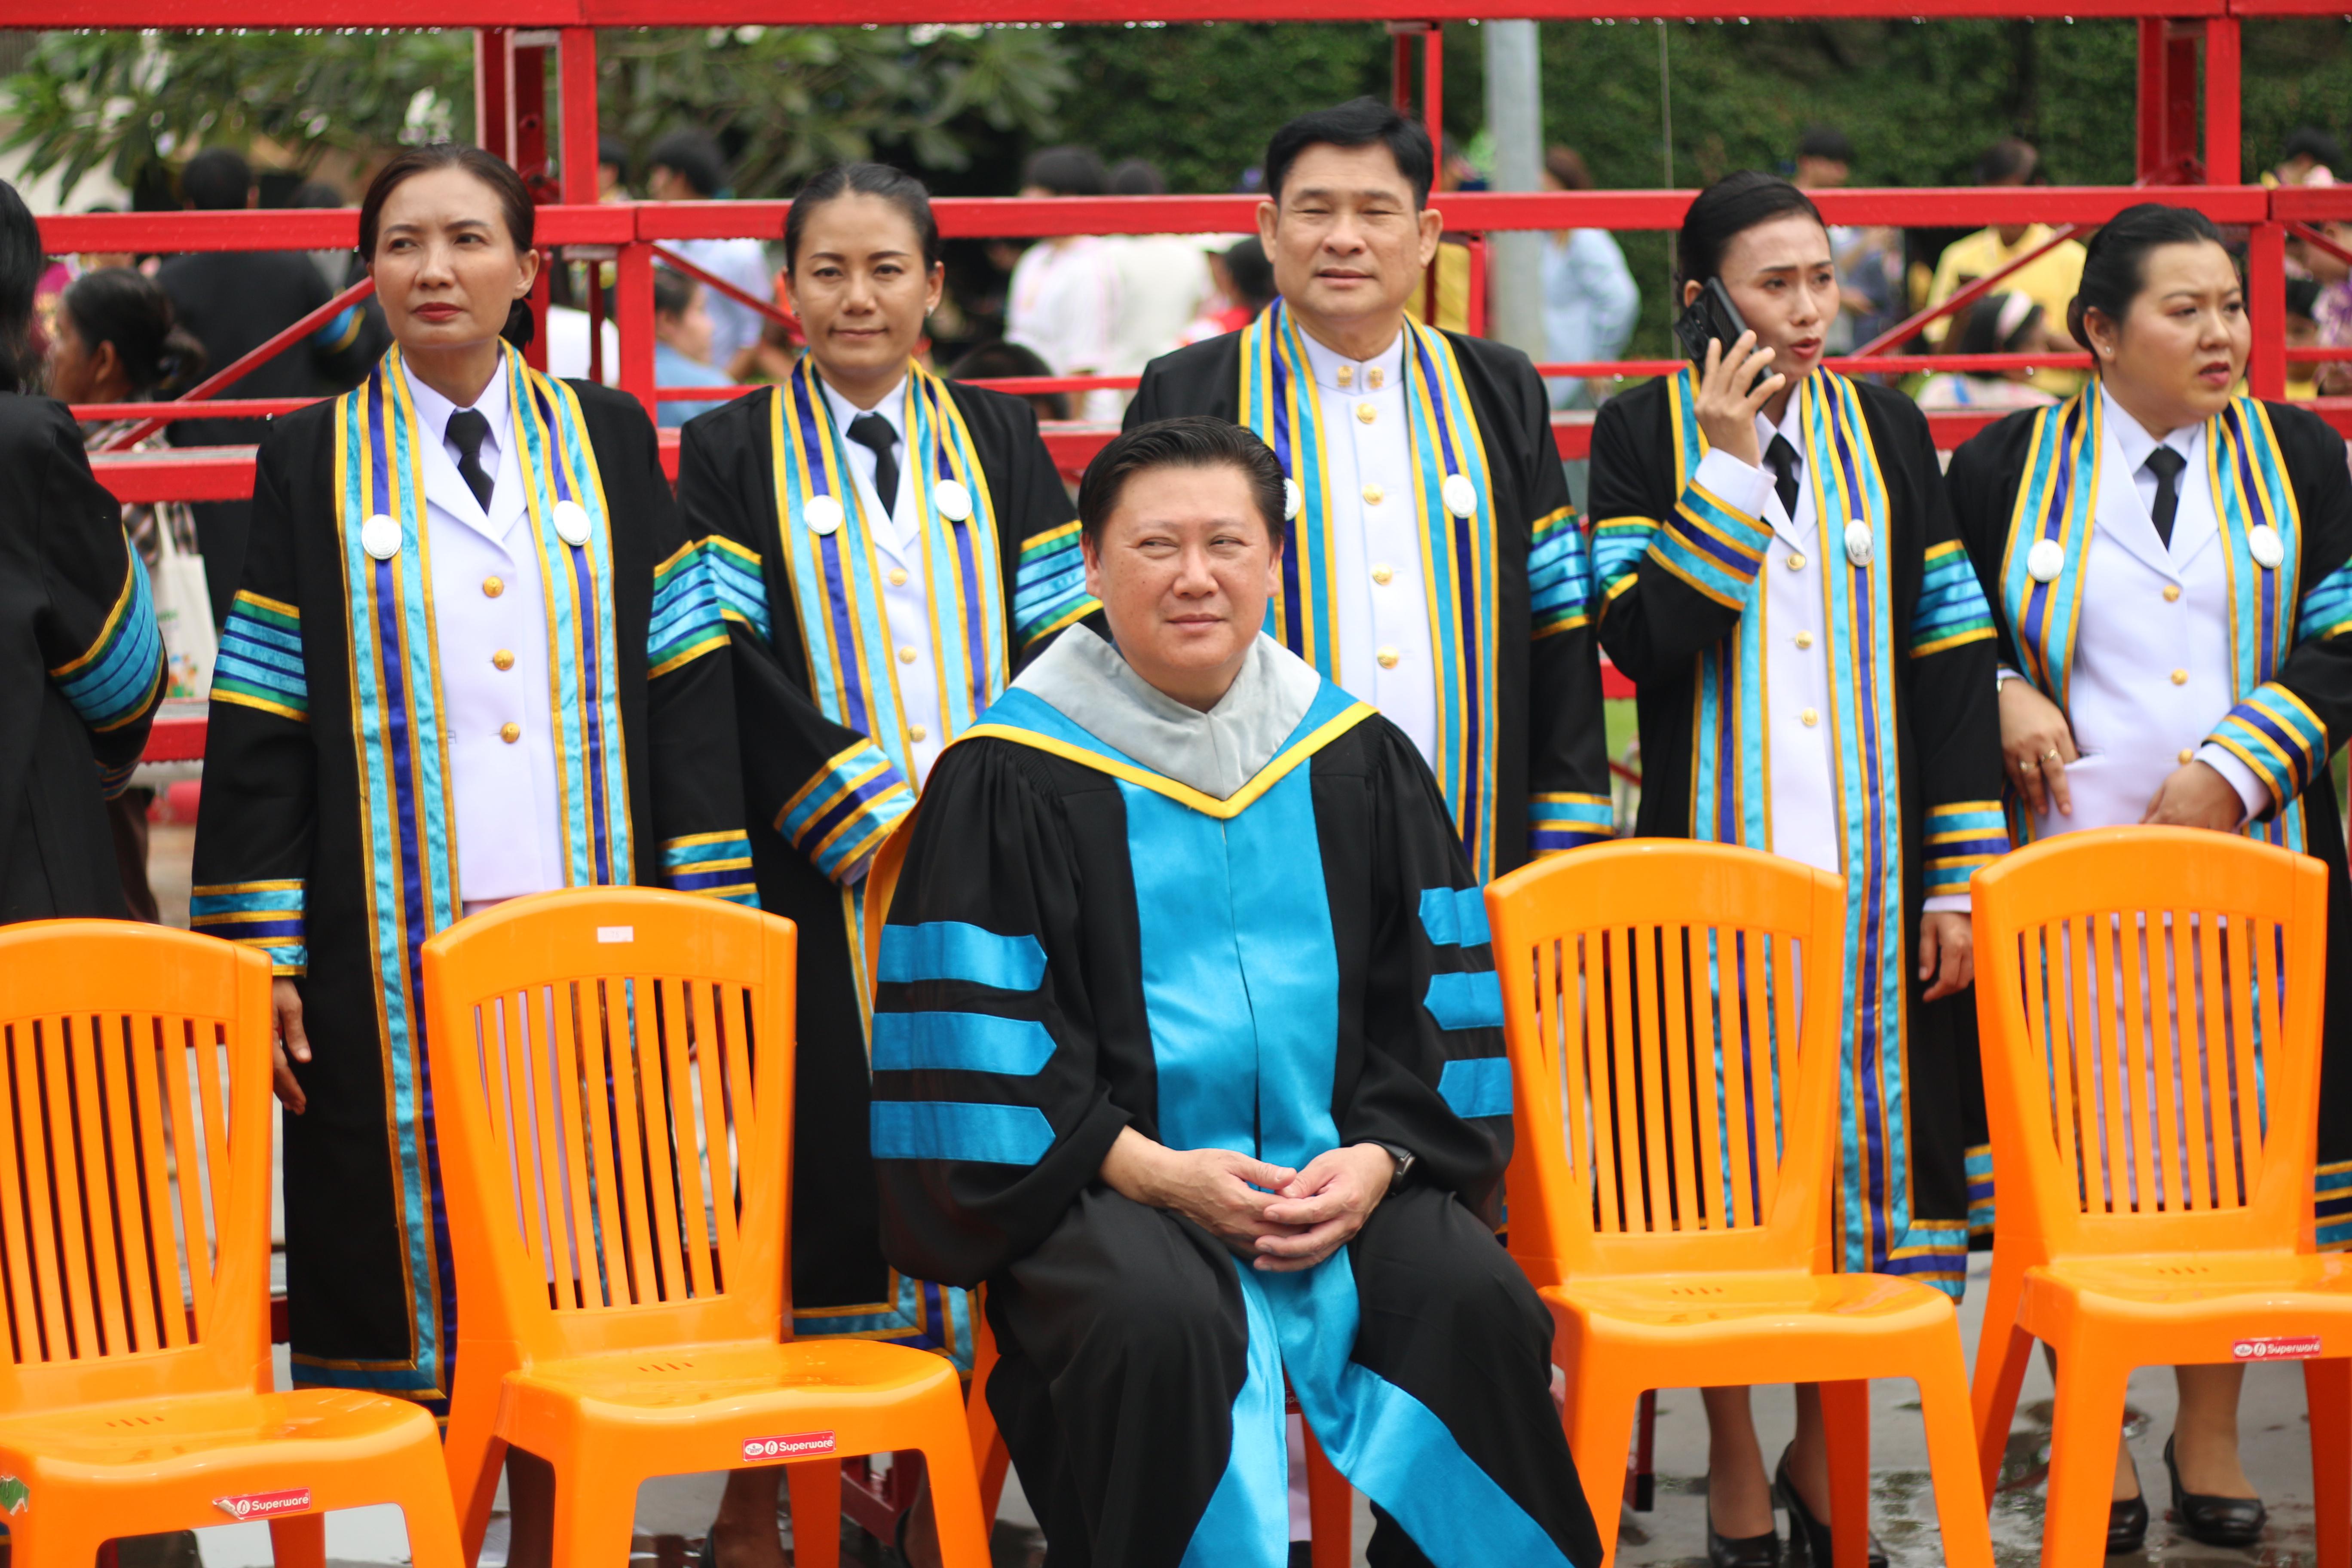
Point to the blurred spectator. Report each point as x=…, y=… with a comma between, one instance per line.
x=611, y=169
x=992, y=362
x=1589, y=299
x=1066, y=290
x=2331, y=304
x=1870, y=284
x=687, y=166
x=2302, y=332
x=339, y=268
x=1163, y=279
x=1824, y=159
x=2307, y=150
x=682, y=334
x=233, y=301
x=2008, y=323
x=1244, y=286
x=99, y=261
x=2050, y=279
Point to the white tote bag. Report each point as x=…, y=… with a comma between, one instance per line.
x=184, y=611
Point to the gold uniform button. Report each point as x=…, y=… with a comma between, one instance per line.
x=1347, y=375
x=493, y=587
x=510, y=733
x=2188, y=755
x=1372, y=378
x=2180, y=677
x=906, y=656
x=2171, y=593
x=897, y=576
x=1809, y=717
x=1365, y=413
x=1804, y=639
x=1796, y=561
x=502, y=659
x=1384, y=574
x=919, y=733
x=1373, y=494
x=1388, y=658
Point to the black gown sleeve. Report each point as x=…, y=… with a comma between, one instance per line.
x=829, y=792
x=2287, y=728
x=97, y=630
x=990, y=1112
x=1673, y=572
x=256, y=817
x=1435, y=1079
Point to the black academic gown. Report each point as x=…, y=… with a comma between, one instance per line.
x=77, y=631
x=1076, y=946
x=1550, y=739
x=1985, y=477
x=283, y=830
x=727, y=490
x=1659, y=626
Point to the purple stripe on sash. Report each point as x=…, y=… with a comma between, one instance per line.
x=1295, y=609
x=1469, y=627
x=585, y=604
x=965, y=542
x=829, y=562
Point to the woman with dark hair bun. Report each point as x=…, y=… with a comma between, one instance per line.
x=1777, y=569
x=862, y=523
x=2118, y=535
x=471, y=657
x=84, y=666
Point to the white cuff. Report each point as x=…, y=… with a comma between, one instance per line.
x=2003, y=675
x=1732, y=482
x=1945, y=904
x=2252, y=790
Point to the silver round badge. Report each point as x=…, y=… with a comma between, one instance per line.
x=823, y=514
x=953, y=500
x=571, y=523
x=1858, y=543
x=2264, y=545
x=1294, y=500
x=380, y=537
x=1461, y=496
x=2045, y=561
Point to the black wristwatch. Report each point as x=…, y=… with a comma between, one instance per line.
x=1405, y=1161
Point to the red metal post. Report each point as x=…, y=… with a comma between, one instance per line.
x=579, y=71
x=1401, y=54
x=634, y=314
x=2151, y=96
x=494, y=91
x=530, y=154
x=2267, y=303
x=1433, y=87
x=2222, y=108
x=2168, y=97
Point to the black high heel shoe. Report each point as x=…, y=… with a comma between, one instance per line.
x=2126, y=1525
x=1741, y=1551
x=1815, y=1532
x=2215, y=1520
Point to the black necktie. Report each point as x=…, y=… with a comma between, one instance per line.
x=873, y=432
x=1783, y=458
x=2166, y=465
x=470, y=430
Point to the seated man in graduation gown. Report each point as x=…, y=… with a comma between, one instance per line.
x=1186, y=1044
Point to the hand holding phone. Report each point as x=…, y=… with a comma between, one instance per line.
x=1733, y=382
x=1710, y=318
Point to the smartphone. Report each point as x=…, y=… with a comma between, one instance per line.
x=1710, y=318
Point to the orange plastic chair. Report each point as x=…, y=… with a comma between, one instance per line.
x=1650, y=1001
x=134, y=1256
x=613, y=1086
x=2151, y=1213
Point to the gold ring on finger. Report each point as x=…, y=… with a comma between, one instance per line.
x=2050, y=756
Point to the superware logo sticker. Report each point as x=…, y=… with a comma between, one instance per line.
x=2277, y=1347
x=265, y=1505
x=800, y=1446
x=15, y=1494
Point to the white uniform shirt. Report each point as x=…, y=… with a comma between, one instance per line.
x=2151, y=674
x=1379, y=591
x=497, y=717
x=905, y=596
x=1805, y=779
x=1064, y=304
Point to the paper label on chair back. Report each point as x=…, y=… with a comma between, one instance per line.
x=2277, y=1347
x=799, y=1445
x=265, y=1505
x=616, y=933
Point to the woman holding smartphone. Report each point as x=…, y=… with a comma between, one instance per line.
x=1777, y=571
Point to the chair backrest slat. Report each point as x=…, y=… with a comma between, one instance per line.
x=614, y=1109
x=1651, y=998
x=2149, y=1004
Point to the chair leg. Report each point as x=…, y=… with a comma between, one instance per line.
x=2087, y=1425
x=955, y=1503
x=433, y=1538
x=994, y=1462
x=1845, y=1419
x=1960, y=1509
x=2327, y=1389
x=1330, y=1510
x=1598, y=1417
x=596, y=1518
x=473, y=1454
x=2003, y=1352
x=817, y=1511
x=299, y=1542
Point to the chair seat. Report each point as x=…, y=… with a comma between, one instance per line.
x=1685, y=1308
x=165, y=1439
x=2272, y=1290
